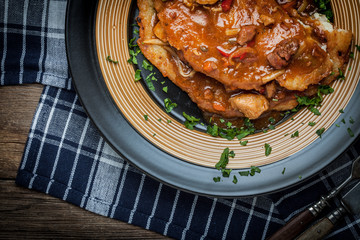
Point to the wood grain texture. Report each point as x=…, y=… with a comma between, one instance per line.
x=30, y=214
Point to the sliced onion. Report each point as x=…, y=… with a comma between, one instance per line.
x=184, y=70
x=303, y=6
x=273, y=75
x=155, y=41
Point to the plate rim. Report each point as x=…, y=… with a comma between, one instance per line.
x=91, y=89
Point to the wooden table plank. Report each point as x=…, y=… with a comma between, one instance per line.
x=30, y=214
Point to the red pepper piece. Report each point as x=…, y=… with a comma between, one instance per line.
x=226, y=5
x=223, y=52
x=251, y=43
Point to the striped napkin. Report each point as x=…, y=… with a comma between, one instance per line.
x=66, y=157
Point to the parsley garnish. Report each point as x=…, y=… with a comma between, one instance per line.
x=165, y=89
x=147, y=65
x=149, y=80
x=108, y=58
x=300, y=177
x=325, y=8
x=341, y=111
x=224, y=160
x=217, y=179
x=146, y=117
x=252, y=171
x=357, y=47
x=244, y=143
x=169, y=105
x=244, y=173
x=133, y=53
x=231, y=132
x=315, y=101
x=191, y=121
x=320, y=131
x=267, y=149
x=137, y=75
x=350, y=132
x=295, y=134
x=351, y=121
x=341, y=75
x=283, y=171
x=132, y=43
x=235, y=180
x=311, y=124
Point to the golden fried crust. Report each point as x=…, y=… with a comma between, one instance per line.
x=214, y=101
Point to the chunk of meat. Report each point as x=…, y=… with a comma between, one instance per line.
x=194, y=28
x=280, y=57
x=246, y=34
x=270, y=89
x=251, y=105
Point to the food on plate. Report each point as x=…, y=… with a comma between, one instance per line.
x=243, y=58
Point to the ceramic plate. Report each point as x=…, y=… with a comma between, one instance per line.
x=184, y=158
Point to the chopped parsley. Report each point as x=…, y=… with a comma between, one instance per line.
x=169, y=105
x=165, y=89
x=149, y=80
x=315, y=101
x=191, y=121
x=224, y=160
x=341, y=111
x=254, y=170
x=231, y=132
x=137, y=75
x=300, y=177
x=244, y=173
x=325, y=8
x=146, y=117
x=272, y=120
x=320, y=131
x=132, y=43
x=295, y=134
x=244, y=143
x=350, y=132
x=147, y=65
x=108, y=58
x=168, y=121
x=357, y=47
x=341, y=75
x=133, y=54
x=217, y=179
x=283, y=171
x=343, y=121
x=159, y=119
x=351, y=121
x=251, y=172
x=311, y=124
x=267, y=149
x=235, y=180
x=272, y=127
x=351, y=55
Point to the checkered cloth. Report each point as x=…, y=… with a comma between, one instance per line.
x=66, y=157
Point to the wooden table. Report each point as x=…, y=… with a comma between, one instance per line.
x=27, y=213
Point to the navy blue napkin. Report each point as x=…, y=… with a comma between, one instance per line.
x=66, y=157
